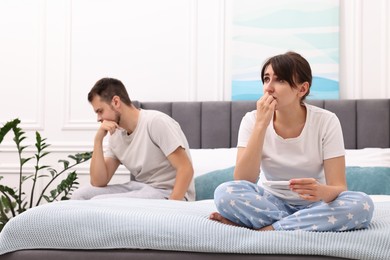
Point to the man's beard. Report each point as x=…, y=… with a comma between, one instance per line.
x=117, y=117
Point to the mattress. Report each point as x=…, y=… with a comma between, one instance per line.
x=125, y=223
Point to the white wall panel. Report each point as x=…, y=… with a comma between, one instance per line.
x=22, y=62
x=211, y=50
x=373, y=35
x=385, y=49
x=364, y=57
x=143, y=43
x=153, y=60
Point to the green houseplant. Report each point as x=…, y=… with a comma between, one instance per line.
x=14, y=201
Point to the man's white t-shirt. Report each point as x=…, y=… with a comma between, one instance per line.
x=300, y=157
x=144, y=152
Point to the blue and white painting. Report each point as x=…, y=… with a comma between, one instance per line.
x=262, y=28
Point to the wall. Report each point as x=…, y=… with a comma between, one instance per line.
x=365, y=53
x=52, y=52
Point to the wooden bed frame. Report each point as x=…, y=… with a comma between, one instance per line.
x=214, y=124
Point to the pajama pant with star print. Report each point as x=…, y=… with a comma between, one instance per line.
x=248, y=204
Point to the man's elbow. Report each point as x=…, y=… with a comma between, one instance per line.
x=99, y=184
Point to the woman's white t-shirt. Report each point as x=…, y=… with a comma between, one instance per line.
x=300, y=157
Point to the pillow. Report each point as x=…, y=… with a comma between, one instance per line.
x=371, y=180
x=206, y=184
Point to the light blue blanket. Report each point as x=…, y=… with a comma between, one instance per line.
x=179, y=226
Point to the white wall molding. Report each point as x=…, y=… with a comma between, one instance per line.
x=38, y=122
x=78, y=125
x=58, y=151
x=358, y=45
x=221, y=52
x=68, y=123
x=82, y=169
x=57, y=147
x=351, y=49
x=41, y=67
x=387, y=49
x=385, y=42
x=193, y=51
x=227, y=62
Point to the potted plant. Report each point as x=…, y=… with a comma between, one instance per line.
x=14, y=201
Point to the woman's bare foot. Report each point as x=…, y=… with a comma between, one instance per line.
x=218, y=217
x=266, y=228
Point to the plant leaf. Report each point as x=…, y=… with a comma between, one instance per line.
x=53, y=172
x=43, y=176
x=24, y=160
x=15, y=201
x=7, y=127
x=65, y=162
x=24, y=178
x=46, y=198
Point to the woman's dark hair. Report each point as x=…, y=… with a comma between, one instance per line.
x=291, y=67
x=107, y=88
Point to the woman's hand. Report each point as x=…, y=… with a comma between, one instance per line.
x=249, y=157
x=308, y=188
x=265, y=108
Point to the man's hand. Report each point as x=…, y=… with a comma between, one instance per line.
x=105, y=127
x=102, y=169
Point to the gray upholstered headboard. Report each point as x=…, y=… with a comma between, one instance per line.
x=214, y=124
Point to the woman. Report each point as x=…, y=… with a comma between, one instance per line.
x=295, y=152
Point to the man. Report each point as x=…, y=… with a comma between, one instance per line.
x=150, y=144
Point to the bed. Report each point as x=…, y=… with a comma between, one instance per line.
x=156, y=229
